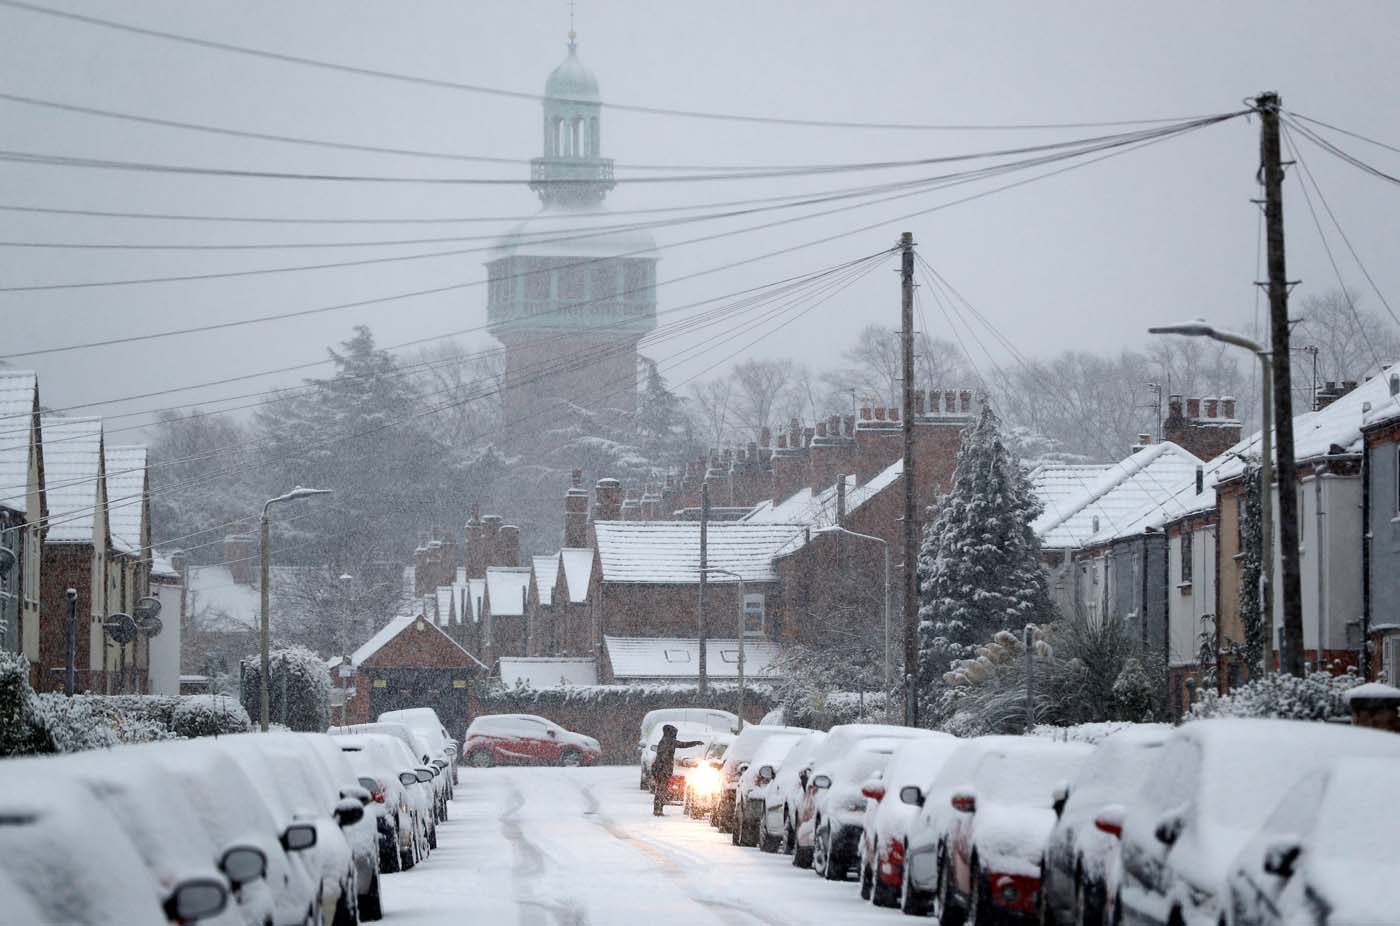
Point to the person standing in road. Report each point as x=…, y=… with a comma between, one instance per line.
x=664, y=764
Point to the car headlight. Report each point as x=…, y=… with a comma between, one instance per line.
x=705, y=781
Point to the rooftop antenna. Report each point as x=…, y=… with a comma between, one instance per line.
x=572, y=34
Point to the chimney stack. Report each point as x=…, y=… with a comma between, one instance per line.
x=241, y=557
x=607, y=500
x=508, y=546
x=491, y=530
x=1205, y=435
x=477, y=554
x=576, y=512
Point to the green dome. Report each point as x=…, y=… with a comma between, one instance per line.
x=572, y=81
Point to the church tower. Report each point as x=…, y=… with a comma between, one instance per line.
x=569, y=305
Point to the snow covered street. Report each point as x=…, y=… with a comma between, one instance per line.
x=574, y=846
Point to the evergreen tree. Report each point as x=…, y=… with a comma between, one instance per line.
x=1252, y=568
x=979, y=567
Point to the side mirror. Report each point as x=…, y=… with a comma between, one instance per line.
x=821, y=782
x=349, y=812
x=243, y=864
x=1059, y=798
x=423, y=775
x=1280, y=858
x=299, y=837
x=965, y=800
x=408, y=778
x=766, y=772
x=196, y=899
x=1169, y=829
x=552, y=733
x=912, y=795
x=1110, y=820
x=358, y=793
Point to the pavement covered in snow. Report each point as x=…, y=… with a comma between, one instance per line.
x=580, y=846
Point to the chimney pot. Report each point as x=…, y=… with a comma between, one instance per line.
x=918, y=401
x=1227, y=407
x=821, y=429
x=765, y=437
x=965, y=401
x=1193, y=408
x=865, y=413
x=879, y=413
x=782, y=441
x=894, y=414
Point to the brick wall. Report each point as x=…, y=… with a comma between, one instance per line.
x=673, y=610
x=65, y=566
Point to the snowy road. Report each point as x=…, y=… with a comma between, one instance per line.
x=543, y=846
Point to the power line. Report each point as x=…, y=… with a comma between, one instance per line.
x=520, y=95
x=1342, y=153
x=1337, y=128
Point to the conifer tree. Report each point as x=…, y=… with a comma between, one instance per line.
x=979, y=567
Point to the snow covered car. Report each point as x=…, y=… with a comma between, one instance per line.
x=685, y=759
x=419, y=747
x=736, y=759
x=67, y=859
x=881, y=856
x=716, y=721
x=235, y=810
x=170, y=839
x=702, y=781
x=753, y=781
x=783, y=795
x=1216, y=784
x=840, y=792
x=363, y=836
x=290, y=787
x=975, y=849
x=1081, y=863
x=424, y=721
x=378, y=762
x=1326, y=855
x=524, y=739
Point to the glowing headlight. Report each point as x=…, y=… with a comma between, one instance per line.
x=705, y=781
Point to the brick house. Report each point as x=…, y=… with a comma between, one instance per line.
x=23, y=512
x=504, y=620
x=76, y=554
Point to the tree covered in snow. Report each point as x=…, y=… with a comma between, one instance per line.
x=1319, y=696
x=20, y=733
x=979, y=566
x=299, y=688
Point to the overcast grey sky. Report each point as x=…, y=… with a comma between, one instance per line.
x=1087, y=259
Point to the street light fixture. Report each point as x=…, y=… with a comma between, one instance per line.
x=263, y=555
x=886, y=544
x=1198, y=328
x=742, y=622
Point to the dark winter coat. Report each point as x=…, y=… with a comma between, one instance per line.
x=665, y=762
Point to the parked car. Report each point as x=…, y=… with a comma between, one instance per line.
x=881, y=856
x=828, y=761
x=783, y=796
x=736, y=759
x=753, y=781
x=235, y=810
x=424, y=721
x=976, y=847
x=839, y=798
x=702, y=781
x=342, y=783
x=417, y=746
x=379, y=763
x=715, y=720
x=1081, y=861
x=1326, y=855
x=524, y=739
x=70, y=862
x=1215, y=786
x=685, y=759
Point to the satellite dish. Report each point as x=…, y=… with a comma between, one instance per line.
x=146, y=608
x=150, y=625
x=121, y=628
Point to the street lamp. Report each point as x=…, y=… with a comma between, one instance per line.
x=263, y=555
x=884, y=543
x=740, y=579
x=1199, y=329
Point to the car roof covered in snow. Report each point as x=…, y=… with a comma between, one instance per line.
x=917, y=760
x=668, y=552
x=1117, y=767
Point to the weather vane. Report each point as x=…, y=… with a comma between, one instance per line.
x=572, y=35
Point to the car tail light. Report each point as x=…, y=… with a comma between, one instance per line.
x=377, y=796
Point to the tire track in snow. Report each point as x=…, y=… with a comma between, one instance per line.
x=674, y=864
x=529, y=867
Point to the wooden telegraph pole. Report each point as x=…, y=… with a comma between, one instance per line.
x=704, y=575
x=1285, y=473
x=911, y=535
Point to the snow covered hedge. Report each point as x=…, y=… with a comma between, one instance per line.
x=209, y=715
x=1319, y=696
x=299, y=689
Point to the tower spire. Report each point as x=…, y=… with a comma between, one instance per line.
x=572, y=34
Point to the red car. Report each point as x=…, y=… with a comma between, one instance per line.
x=524, y=739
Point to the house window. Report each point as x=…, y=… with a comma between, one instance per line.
x=753, y=614
x=1187, y=555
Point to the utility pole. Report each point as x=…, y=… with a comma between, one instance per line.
x=911, y=537
x=1285, y=475
x=704, y=573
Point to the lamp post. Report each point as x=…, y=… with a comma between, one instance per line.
x=1199, y=329
x=264, y=633
x=886, y=544
x=740, y=579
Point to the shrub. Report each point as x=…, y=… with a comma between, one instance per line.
x=1319, y=696
x=299, y=689
x=20, y=733
x=209, y=715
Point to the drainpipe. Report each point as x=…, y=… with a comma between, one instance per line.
x=1324, y=619
x=1365, y=654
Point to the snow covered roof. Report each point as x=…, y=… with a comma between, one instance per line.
x=546, y=571
x=126, y=491
x=668, y=552
x=476, y=597
x=218, y=603
x=578, y=572
x=506, y=587
x=1057, y=485
x=17, y=389
x=679, y=658
x=1116, y=496
x=548, y=671
x=818, y=509
x=72, y=462
x=445, y=605
x=162, y=567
